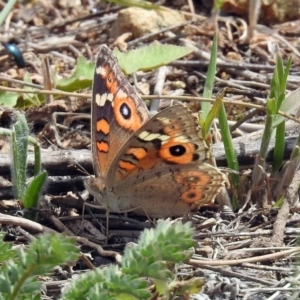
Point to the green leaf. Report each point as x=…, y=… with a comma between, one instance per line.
x=19, y=142
x=278, y=84
x=80, y=286
x=18, y=277
x=275, y=100
x=34, y=190
x=136, y=3
x=218, y=4
x=279, y=202
x=150, y=57
x=140, y=261
x=37, y=155
x=290, y=105
x=80, y=79
x=30, y=99
x=6, y=251
x=213, y=112
x=271, y=106
x=108, y=283
x=165, y=243
x=26, y=100
x=230, y=153
x=162, y=287
x=210, y=78
x=8, y=99
x=278, y=152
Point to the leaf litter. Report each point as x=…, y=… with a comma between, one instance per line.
x=250, y=253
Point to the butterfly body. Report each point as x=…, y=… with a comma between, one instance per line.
x=153, y=166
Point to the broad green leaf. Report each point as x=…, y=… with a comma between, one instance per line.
x=34, y=190
x=136, y=3
x=29, y=99
x=8, y=99
x=162, y=287
x=80, y=79
x=290, y=105
x=150, y=57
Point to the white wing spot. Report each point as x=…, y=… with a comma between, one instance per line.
x=101, y=71
x=101, y=99
x=181, y=139
x=121, y=94
x=164, y=120
x=98, y=99
x=110, y=97
x=147, y=136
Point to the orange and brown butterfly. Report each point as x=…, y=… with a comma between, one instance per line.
x=153, y=166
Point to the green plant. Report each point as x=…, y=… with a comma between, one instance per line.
x=218, y=4
x=19, y=274
x=154, y=257
x=208, y=114
x=150, y=57
x=28, y=192
x=277, y=92
x=275, y=100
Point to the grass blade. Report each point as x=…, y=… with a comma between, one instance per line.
x=19, y=141
x=229, y=153
x=210, y=78
x=278, y=153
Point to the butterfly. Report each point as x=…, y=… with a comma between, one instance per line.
x=153, y=166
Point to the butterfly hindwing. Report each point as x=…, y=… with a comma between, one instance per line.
x=169, y=139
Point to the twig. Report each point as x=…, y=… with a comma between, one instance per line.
x=234, y=262
x=24, y=223
x=239, y=275
x=65, y=162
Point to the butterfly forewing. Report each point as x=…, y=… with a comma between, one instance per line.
x=117, y=111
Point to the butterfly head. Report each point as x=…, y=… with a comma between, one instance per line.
x=95, y=187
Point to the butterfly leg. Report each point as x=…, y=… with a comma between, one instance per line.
x=107, y=225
